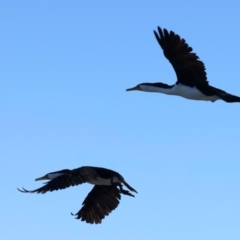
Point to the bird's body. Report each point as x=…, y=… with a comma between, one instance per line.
x=191, y=74
x=102, y=199
x=181, y=90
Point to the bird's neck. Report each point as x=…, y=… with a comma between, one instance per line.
x=158, y=87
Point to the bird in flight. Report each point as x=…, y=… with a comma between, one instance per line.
x=100, y=201
x=191, y=74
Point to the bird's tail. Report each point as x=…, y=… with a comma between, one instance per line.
x=229, y=98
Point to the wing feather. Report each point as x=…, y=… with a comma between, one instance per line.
x=100, y=202
x=188, y=68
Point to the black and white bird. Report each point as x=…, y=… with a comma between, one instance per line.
x=100, y=201
x=191, y=74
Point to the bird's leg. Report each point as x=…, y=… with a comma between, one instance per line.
x=126, y=192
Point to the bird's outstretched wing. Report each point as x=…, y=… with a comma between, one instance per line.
x=101, y=201
x=66, y=179
x=189, y=69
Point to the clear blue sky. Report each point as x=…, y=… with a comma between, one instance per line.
x=64, y=69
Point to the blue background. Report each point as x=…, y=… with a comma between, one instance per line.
x=64, y=68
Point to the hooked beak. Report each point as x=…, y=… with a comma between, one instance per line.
x=43, y=178
x=134, y=88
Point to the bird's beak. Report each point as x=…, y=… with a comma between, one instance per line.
x=43, y=178
x=134, y=88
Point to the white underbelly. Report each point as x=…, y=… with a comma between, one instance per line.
x=191, y=93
